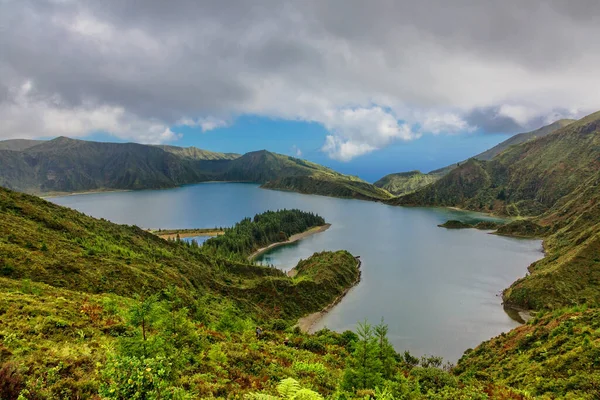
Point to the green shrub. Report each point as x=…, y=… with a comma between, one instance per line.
x=433, y=379
x=313, y=345
x=7, y=270
x=279, y=325
x=137, y=378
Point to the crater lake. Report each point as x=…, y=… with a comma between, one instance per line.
x=437, y=289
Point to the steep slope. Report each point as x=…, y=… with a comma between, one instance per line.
x=512, y=141
x=403, y=183
x=522, y=138
x=526, y=179
x=68, y=165
x=554, y=356
x=570, y=272
x=43, y=242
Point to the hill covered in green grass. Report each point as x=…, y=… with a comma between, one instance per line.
x=526, y=179
x=403, y=183
x=64, y=165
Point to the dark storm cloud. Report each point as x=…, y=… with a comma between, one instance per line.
x=490, y=121
x=132, y=67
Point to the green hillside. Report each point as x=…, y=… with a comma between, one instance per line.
x=526, y=179
x=68, y=270
x=512, y=141
x=91, y=309
x=555, y=355
x=329, y=185
x=522, y=138
x=66, y=165
x=403, y=183
x=553, y=182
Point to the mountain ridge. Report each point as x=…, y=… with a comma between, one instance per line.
x=399, y=184
x=65, y=165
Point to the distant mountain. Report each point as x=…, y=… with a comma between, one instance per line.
x=525, y=179
x=512, y=141
x=68, y=165
x=18, y=144
x=194, y=153
x=405, y=182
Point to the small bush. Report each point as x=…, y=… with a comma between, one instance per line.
x=11, y=382
x=279, y=325
x=313, y=345
x=7, y=270
x=433, y=379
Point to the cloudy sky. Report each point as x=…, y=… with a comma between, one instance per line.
x=349, y=83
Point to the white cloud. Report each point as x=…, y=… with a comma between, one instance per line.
x=206, y=124
x=358, y=131
x=357, y=68
x=519, y=113
x=445, y=123
x=29, y=115
x=296, y=151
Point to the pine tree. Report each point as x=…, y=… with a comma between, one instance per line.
x=143, y=317
x=385, y=351
x=364, y=370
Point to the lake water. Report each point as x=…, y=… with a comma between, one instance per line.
x=437, y=289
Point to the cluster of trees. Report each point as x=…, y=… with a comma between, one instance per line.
x=250, y=234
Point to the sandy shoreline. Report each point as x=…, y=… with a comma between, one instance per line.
x=306, y=323
x=187, y=233
x=292, y=239
x=65, y=194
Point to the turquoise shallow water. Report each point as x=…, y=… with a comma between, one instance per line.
x=437, y=289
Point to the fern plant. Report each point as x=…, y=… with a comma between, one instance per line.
x=288, y=389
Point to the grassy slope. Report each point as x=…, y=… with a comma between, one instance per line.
x=522, y=138
x=281, y=172
x=555, y=354
x=527, y=179
x=47, y=243
x=512, y=141
x=402, y=183
x=66, y=280
x=405, y=182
